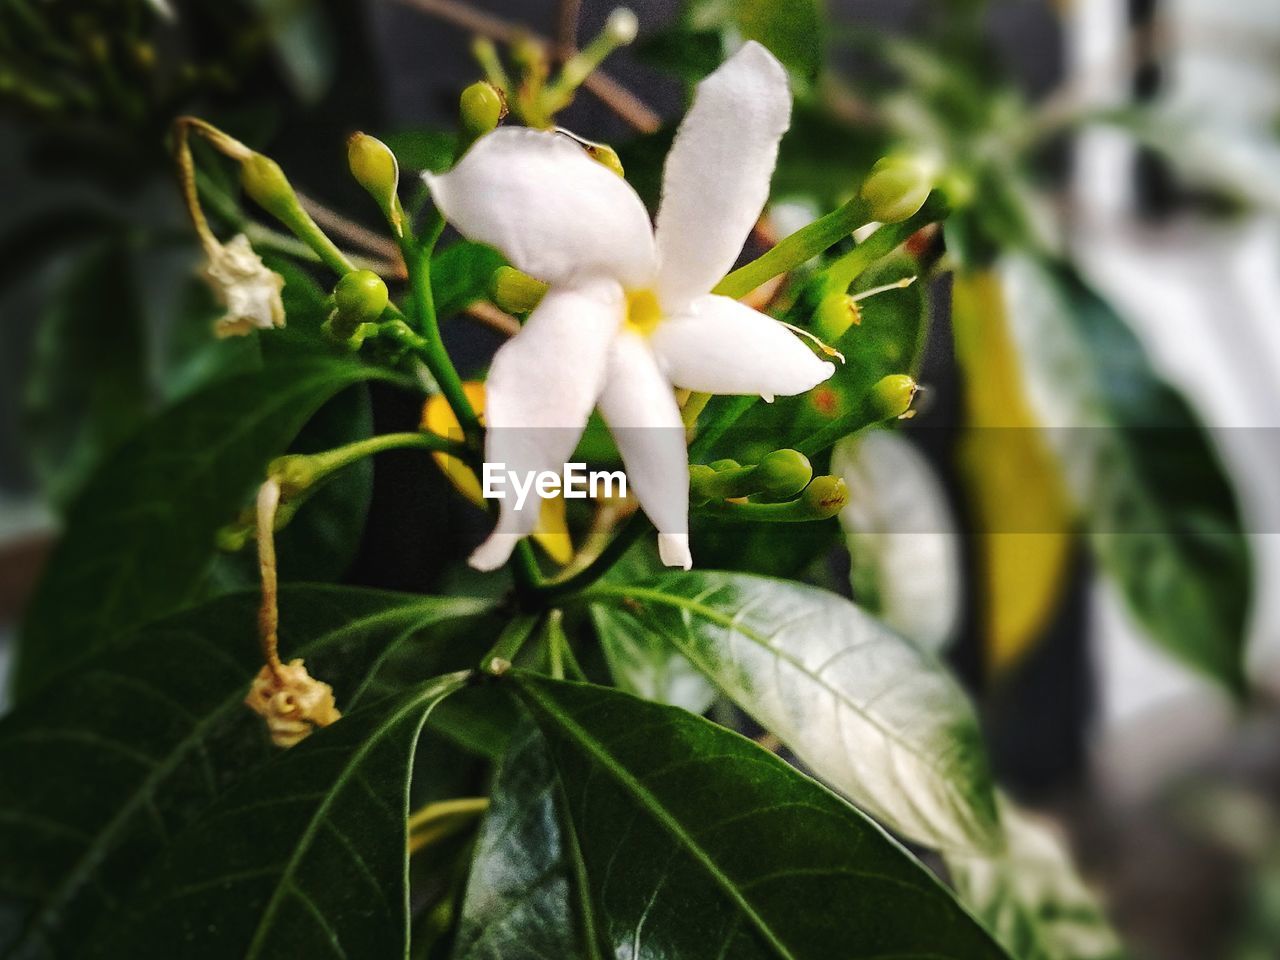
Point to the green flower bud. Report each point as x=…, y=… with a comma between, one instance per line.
x=825, y=497
x=836, y=314
x=294, y=473
x=376, y=169
x=264, y=181
x=360, y=296
x=699, y=476
x=482, y=107
x=721, y=465
x=514, y=291
x=896, y=188
x=782, y=474
x=893, y=394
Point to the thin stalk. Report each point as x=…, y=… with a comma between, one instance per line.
x=635, y=528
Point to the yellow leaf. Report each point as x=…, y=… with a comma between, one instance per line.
x=1011, y=479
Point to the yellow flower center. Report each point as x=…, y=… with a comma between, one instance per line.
x=643, y=312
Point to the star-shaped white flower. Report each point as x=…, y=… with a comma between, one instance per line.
x=242, y=283
x=629, y=316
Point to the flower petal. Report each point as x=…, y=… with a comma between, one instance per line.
x=541, y=388
x=549, y=208
x=722, y=346
x=717, y=175
x=639, y=405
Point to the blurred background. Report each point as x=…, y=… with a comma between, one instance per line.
x=1146, y=135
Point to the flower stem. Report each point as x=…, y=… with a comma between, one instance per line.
x=795, y=250
x=269, y=610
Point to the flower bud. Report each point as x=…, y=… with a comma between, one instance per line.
x=482, y=107
x=264, y=181
x=896, y=188
x=622, y=26
x=606, y=156
x=360, y=296
x=782, y=474
x=825, y=497
x=836, y=314
x=892, y=395
x=514, y=291
x=719, y=466
x=376, y=169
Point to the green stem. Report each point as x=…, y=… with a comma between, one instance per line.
x=867, y=413
x=799, y=248
x=513, y=637
x=300, y=471
x=842, y=274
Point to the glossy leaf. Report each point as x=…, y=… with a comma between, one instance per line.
x=696, y=842
x=1025, y=524
x=903, y=542
x=1162, y=515
x=1032, y=899
x=140, y=536
x=157, y=725
x=306, y=856
x=643, y=663
x=89, y=384
x=867, y=711
x=524, y=897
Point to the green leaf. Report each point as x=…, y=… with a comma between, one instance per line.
x=903, y=542
x=89, y=384
x=140, y=536
x=524, y=897
x=157, y=725
x=460, y=276
x=698, y=843
x=419, y=150
x=868, y=712
x=1032, y=899
x=795, y=32
x=643, y=663
x=307, y=856
x=1162, y=515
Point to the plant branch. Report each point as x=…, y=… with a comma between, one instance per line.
x=608, y=91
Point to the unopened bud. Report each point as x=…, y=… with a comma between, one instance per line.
x=896, y=188
x=294, y=472
x=825, y=497
x=722, y=465
x=893, y=394
x=482, y=107
x=264, y=181
x=782, y=474
x=376, y=169
x=606, y=156
x=836, y=314
x=360, y=296
x=514, y=291
x=622, y=26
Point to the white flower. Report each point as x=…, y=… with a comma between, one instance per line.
x=628, y=316
x=242, y=283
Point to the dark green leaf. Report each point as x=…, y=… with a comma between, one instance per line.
x=158, y=727
x=304, y=857
x=460, y=276
x=140, y=536
x=89, y=384
x=419, y=150
x=869, y=712
x=1162, y=514
x=698, y=843
x=524, y=901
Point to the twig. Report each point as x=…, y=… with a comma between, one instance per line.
x=608, y=91
x=494, y=318
x=567, y=16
